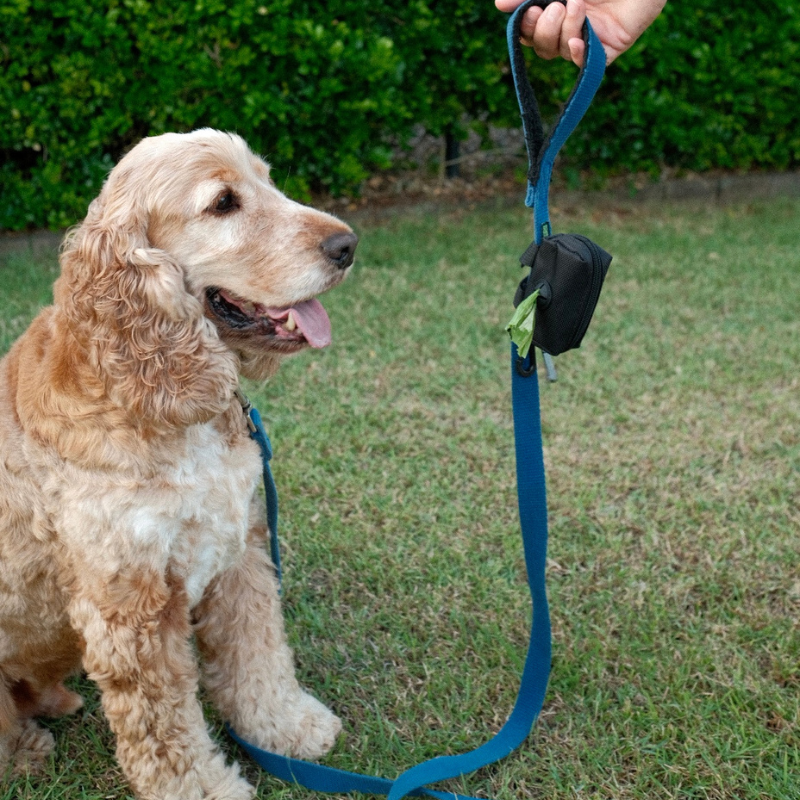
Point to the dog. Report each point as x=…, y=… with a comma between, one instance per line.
x=130, y=524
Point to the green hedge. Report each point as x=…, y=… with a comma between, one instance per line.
x=328, y=91
x=710, y=85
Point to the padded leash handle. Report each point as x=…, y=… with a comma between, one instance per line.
x=542, y=150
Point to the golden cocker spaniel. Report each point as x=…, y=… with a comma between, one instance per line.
x=129, y=519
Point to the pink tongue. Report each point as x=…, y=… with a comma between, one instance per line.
x=311, y=319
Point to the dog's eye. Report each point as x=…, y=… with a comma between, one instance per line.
x=226, y=203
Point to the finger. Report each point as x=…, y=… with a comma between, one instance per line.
x=577, y=47
x=529, y=22
x=547, y=36
x=572, y=27
x=508, y=5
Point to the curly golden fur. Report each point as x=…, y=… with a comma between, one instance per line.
x=129, y=521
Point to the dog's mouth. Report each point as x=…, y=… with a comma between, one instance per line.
x=287, y=329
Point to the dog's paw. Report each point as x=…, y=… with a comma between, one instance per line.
x=210, y=779
x=316, y=729
x=231, y=787
x=32, y=748
x=300, y=727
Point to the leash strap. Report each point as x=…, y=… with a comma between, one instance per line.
x=533, y=517
x=531, y=490
x=259, y=433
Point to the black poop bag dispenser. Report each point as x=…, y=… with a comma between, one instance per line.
x=567, y=270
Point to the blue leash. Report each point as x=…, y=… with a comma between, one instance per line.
x=531, y=490
x=257, y=432
x=533, y=516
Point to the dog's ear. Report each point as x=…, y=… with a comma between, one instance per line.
x=146, y=335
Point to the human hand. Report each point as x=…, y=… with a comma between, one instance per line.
x=558, y=30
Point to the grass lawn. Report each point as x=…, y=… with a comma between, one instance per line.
x=673, y=452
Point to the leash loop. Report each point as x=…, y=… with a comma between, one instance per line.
x=542, y=150
x=526, y=371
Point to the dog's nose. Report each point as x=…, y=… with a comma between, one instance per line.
x=340, y=248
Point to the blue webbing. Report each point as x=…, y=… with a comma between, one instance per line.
x=531, y=493
x=258, y=433
x=533, y=518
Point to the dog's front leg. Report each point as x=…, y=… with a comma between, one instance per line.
x=137, y=648
x=248, y=667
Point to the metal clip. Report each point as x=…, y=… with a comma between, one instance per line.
x=246, y=407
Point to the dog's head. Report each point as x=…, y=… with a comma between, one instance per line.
x=255, y=258
x=190, y=238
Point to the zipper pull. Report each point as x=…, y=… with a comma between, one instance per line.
x=550, y=367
